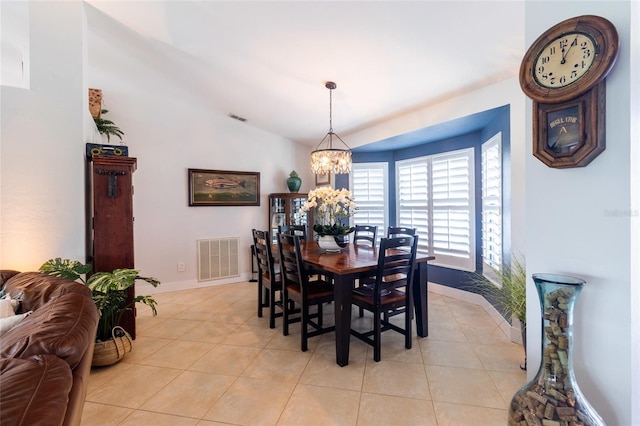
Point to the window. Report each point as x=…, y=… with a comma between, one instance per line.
x=435, y=196
x=413, y=198
x=492, y=204
x=369, y=190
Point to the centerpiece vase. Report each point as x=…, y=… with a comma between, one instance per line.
x=553, y=396
x=333, y=244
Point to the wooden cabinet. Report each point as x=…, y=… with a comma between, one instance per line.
x=284, y=209
x=110, y=235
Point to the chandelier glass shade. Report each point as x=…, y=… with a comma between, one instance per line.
x=329, y=159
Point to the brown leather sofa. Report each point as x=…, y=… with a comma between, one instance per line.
x=45, y=361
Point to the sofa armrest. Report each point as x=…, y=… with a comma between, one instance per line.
x=34, y=391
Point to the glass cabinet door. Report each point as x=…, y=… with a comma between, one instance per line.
x=284, y=209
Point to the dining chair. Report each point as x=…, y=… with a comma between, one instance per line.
x=391, y=290
x=269, y=282
x=398, y=231
x=365, y=234
x=299, y=230
x=299, y=288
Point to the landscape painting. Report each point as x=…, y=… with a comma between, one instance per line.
x=223, y=188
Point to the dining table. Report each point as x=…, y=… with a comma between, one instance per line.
x=345, y=266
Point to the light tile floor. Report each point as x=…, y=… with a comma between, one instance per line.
x=207, y=359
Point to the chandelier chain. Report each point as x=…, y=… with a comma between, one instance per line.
x=330, y=110
x=330, y=159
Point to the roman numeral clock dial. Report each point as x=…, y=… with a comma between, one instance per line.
x=564, y=73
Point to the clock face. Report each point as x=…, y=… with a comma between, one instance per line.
x=565, y=60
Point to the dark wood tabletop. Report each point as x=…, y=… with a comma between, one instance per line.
x=345, y=266
x=351, y=259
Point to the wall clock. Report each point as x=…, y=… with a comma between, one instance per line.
x=564, y=73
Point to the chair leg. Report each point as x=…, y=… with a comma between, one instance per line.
x=408, y=317
x=304, y=318
x=360, y=312
x=286, y=307
x=376, y=337
x=407, y=330
x=272, y=308
x=319, y=314
x=260, y=299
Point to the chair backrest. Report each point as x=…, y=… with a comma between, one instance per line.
x=264, y=256
x=396, y=257
x=291, y=266
x=398, y=231
x=299, y=230
x=366, y=234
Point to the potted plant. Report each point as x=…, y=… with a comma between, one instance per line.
x=509, y=293
x=107, y=127
x=109, y=293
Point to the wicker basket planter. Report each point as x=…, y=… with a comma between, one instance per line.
x=112, y=350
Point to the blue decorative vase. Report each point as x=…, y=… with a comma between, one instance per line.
x=294, y=182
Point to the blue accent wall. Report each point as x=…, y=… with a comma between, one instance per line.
x=500, y=122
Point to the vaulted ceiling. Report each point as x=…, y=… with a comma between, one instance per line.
x=268, y=61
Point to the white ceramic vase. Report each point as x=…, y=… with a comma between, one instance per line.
x=329, y=244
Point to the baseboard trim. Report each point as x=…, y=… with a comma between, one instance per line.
x=164, y=287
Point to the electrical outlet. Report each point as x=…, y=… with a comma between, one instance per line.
x=181, y=267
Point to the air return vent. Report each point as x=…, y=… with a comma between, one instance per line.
x=218, y=258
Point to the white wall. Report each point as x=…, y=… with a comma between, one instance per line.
x=41, y=153
x=506, y=92
x=569, y=230
x=634, y=161
x=161, y=105
x=168, y=126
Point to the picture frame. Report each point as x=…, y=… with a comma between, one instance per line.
x=223, y=188
x=323, y=179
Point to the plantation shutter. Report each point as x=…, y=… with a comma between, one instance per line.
x=369, y=190
x=413, y=198
x=492, y=203
x=453, y=207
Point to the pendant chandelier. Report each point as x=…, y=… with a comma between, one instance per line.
x=330, y=159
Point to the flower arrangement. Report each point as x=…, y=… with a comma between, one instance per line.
x=333, y=206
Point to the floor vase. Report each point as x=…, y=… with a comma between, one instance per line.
x=553, y=396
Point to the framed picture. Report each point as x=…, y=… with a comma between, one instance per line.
x=323, y=179
x=223, y=188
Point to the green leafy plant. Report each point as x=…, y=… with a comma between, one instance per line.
x=108, y=290
x=107, y=127
x=511, y=291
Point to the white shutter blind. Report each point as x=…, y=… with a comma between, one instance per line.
x=453, y=206
x=435, y=196
x=492, y=202
x=413, y=198
x=369, y=190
